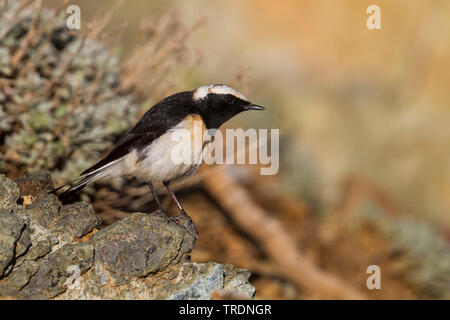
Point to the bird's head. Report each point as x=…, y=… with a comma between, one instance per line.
x=219, y=103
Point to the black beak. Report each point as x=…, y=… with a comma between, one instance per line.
x=253, y=107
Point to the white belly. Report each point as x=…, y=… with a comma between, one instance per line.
x=156, y=163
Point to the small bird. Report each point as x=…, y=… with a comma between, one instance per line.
x=145, y=151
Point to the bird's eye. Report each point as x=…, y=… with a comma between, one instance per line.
x=229, y=99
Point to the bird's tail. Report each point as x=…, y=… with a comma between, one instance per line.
x=98, y=171
x=76, y=185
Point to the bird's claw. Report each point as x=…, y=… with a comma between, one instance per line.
x=185, y=220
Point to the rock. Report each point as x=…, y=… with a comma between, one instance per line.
x=199, y=281
x=43, y=210
x=185, y=280
x=48, y=219
x=236, y=281
x=51, y=278
x=36, y=185
x=40, y=249
x=51, y=251
x=142, y=244
x=14, y=238
x=20, y=277
x=74, y=221
x=9, y=192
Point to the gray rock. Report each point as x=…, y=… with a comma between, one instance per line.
x=40, y=249
x=198, y=281
x=49, y=219
x=142, y=244
x=9, y=192
x=185, y=280
x=36, y=185
x=144, y=256
x=236, y=281
x=194, y=281
x=54, y=270
x=43, y=210
x=74, y=221
x=20, y=277
x=14, y=239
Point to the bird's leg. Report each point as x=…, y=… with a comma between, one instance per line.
x=183, y=218
x=169, y=189
x=155, y=196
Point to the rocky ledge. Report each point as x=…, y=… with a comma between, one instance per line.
x=51, y=251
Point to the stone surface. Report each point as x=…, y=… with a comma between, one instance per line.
x=9, y=192
x=14, y=238
x=185, y=281
x=35, y=185
x=48, y=219
x=51, y=278
x=200, y=280
x=74, y=221
x=236, y=281
x=142, y=244
x=51, y=251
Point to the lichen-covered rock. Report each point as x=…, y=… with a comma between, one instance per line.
x=40, y=249
x=9, y=192
x=48, y=250
x=11, y=226
x=20, y=277
x=10, y=229
x=42, y=211
x=36, y=240
x=48, y=219
x=74, y=221
x=35, y=185
x=187, y=281
x=51, y=278
x=236, y=281
x=142, y=244
x=200, y=280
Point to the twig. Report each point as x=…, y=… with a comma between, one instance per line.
x=275, y=240
x=29, y=38
x=14, y=18
x=65, y=66
x=99, y=24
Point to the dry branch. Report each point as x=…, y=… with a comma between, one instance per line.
x=29, y=38
x=275, y=240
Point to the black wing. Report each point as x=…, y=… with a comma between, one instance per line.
x=155, y=122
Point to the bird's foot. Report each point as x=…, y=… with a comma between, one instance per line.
x=185, y=220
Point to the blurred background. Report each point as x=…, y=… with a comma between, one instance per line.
x=363, y=116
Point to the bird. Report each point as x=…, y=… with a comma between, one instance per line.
x=145, y=151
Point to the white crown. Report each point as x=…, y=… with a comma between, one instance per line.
x=202, y=92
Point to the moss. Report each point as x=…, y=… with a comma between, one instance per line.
x=30, y=140
x=40, y=120
x=61, y=111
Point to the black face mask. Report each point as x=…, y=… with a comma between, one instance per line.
x=219, y=108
